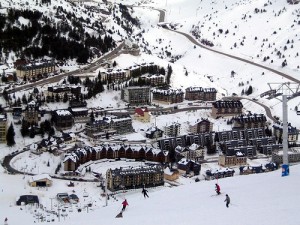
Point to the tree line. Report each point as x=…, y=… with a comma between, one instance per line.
x=42, y=37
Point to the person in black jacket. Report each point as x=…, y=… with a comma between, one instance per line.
x=227, y=200
x=144, y=191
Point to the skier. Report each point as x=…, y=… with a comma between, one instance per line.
x=144, y=191
x=218, y=189
x=124, y=203
x=5, y=221
x=227, y=200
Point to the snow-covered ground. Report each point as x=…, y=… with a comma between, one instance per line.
x=255, y=199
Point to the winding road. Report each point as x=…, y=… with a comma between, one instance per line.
x=194, y=41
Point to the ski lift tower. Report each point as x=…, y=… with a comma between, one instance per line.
x=283, y=92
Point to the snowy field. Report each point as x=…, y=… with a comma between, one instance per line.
x=255, y=199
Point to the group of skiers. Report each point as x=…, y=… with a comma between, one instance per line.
x=145, y=193
x=227, y=199
x=125, y=203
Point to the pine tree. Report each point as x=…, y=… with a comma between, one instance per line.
x=24, y=99
x=250, y=90
x=10, y=136
x=92, y=117
x=24, y=128
x=32, y=132
x=216, y=139
x=65, y=98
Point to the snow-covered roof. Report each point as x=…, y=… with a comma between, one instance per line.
x=63, y=112
x=168, y=92
x=40, y=177
x=200, y=89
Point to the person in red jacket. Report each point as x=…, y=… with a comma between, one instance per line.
x=218, y=189
x=124, y=203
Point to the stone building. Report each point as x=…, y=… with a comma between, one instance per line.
x=63, y=119
x=134, y=177
x=201, y=126
x=35, y=70
x=173, y=129
x=249, y=121
x=136, y=95
x=32, y=113
x=199, y=93
x=168, y=96
x=226, y=108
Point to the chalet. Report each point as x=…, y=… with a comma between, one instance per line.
x=188, y=166
x=35, y=70
x=168, y=96
x=65, y=138
x=201, y=126
x=154, y=132
x=199, y=93
x=193, y=152
x=134, y=177
x=238, y=159
x=173, y=129
x=249, y=121
x=226, y=108
x=80, y=115
x=41, y=180
x=71, y=162
x=142, y=114
x=62, y=119
x=136, y=95
x=44, y=145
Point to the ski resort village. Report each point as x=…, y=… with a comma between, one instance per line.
x=149, y=112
